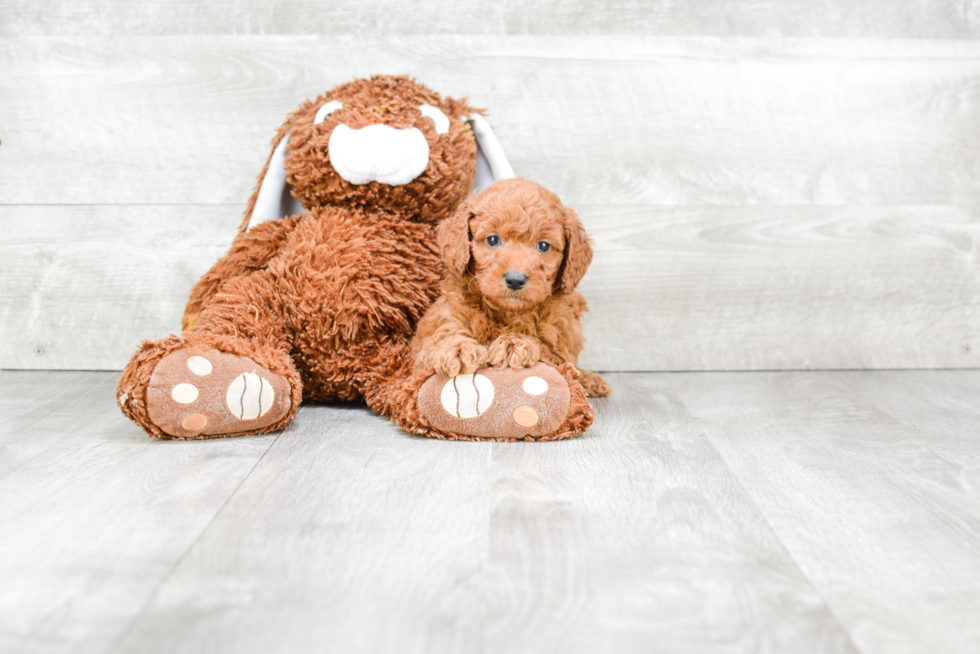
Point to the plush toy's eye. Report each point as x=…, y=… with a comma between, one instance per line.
x=543, y=246
x=326, y=110
x=439, y=118
x=493, y=241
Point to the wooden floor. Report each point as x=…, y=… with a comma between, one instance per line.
x=704, y=512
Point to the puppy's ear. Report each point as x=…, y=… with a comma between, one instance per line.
x=454, y=237
x=577, y=255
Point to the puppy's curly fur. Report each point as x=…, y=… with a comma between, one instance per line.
x=514, y=255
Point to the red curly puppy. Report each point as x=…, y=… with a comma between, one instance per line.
x=514, y=255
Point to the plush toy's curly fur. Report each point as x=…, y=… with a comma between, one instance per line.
x=514, y=227
x=328, y=300
x=424, y=201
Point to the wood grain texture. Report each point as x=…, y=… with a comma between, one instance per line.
x=671, y=288
x=95, y=515
x=350, y=535
x=600, y=120
x=759, y=203
x=637, y=538
x=708, y=288
x=826, y=18
x=82, y=286
x=871, y=481
x=730, y=512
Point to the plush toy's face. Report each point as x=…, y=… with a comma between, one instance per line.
x=385, y=142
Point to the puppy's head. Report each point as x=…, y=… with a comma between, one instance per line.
x=515, y=243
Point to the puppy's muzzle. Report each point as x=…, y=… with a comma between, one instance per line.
x=515, y=281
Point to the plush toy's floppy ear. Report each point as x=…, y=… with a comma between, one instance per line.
x=491, y=162
x=454, y=237
x=577, y=255
x=273, y=199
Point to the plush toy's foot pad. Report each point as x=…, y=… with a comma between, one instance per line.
x=497, y=403
x=195, y=393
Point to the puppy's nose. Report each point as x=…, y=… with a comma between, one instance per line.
x=515, y=280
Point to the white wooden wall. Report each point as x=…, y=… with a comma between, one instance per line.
x=772, y=184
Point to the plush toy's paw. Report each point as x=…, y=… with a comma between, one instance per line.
x=594, y=384
x=195, y=393
x=514, y=351
x=498, y=403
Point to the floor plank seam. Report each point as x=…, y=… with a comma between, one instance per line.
x=11, y=471
x=180, y=560
x=775, y=535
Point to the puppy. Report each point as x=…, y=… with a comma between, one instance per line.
x=514, y=255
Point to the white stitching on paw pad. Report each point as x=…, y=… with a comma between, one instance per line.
x=467, y=396
x=249, y=396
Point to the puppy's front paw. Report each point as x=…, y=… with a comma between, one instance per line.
x=458, y=355
x=514, y=351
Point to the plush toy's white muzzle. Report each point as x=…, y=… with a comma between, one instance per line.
x=378, y=153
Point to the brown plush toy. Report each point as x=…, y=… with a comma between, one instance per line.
x=318, y=299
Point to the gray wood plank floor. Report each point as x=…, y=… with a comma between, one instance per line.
x=704, y=512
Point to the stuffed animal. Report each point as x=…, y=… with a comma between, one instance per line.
x=334, y=264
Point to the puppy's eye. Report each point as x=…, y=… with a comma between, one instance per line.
x=326, y=110
x=439, y=118
x=543, y=246
x=493, y=241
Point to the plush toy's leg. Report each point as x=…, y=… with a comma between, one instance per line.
x=230, y=376
x=541, y=403
x=249, y=252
